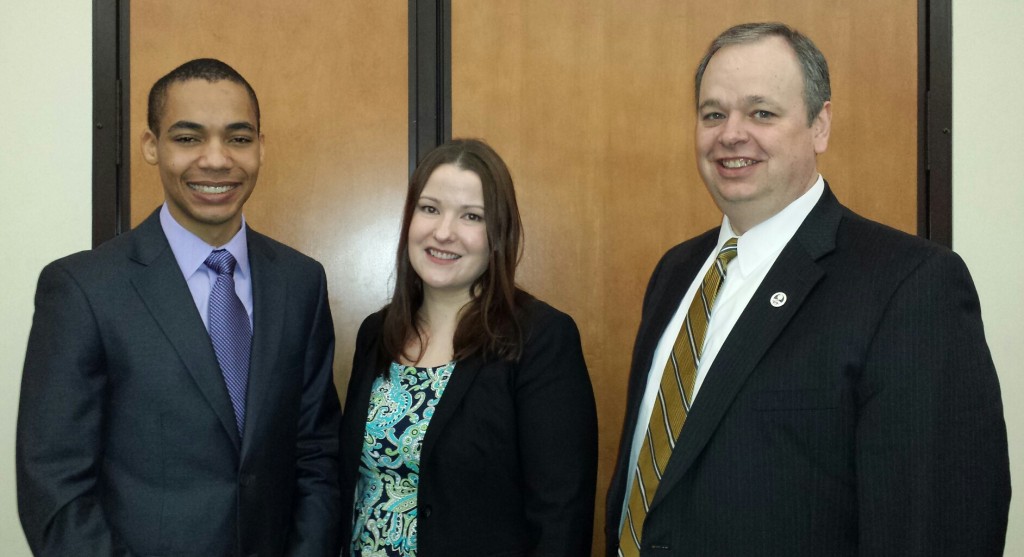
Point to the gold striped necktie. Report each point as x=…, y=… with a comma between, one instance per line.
x=675, y=393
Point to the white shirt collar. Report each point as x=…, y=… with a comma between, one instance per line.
x=769, y=237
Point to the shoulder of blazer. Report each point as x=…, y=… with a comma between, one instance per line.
x=364, y=360
x=538, y=318
x=263, y=247
x=832, y=226
x=696, y=246
x=368, y=336
x=679, y=265
x=139, y=246
x=536, y=315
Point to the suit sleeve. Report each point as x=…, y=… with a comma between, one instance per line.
x=932, y=463
x=557, y=424
x=59, y=448
x=317, y=507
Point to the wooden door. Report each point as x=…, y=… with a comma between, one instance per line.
x=590, y=102
x=332, y=80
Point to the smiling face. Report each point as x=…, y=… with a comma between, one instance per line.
x=448, y=246
x=755, y=150
x=209, y=153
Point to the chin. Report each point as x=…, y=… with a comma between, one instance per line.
x=738, y=192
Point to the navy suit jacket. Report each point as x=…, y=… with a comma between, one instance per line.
x=509, y=461
x=861, y=417
x=126, y=441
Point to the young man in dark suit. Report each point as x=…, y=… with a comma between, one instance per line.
x=805, y=382
x=177, y=396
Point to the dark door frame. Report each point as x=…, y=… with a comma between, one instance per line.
x=430, y=109
x=935, y=121
x=111, y=157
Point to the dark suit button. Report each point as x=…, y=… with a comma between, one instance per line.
x=427, y=511
x=248, y=479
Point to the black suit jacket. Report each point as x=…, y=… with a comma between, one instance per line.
x=126, y=441
x=862, y=417
x=509, y=461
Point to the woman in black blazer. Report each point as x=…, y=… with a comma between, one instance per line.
x=469, y=425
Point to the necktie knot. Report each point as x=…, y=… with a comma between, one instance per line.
x=729, y=252
x=221, y=261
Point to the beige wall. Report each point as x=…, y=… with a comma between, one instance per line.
x=45, y=150
x=45, y=166
x=988, y=198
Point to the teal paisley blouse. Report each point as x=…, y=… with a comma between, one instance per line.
x=401, y=406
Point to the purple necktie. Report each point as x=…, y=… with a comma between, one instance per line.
x=230, y=332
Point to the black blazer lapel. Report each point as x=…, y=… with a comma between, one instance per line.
x=269, y=300
x=459, y=383
x=461, y=380
x=794, y=273
x=163, y=290
x=357, y=404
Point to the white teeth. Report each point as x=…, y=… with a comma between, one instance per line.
x=737, y=163
x=442, y=254
x=210, y=189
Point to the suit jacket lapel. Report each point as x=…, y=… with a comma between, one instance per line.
x=795, y=273
x=269, y=300
x=462, y=378
x=351, y=441
x=164, y=292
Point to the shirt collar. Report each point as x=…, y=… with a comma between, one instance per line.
x=191, y=252
x=769, y=237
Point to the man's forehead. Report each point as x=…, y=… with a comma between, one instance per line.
x=198, y=87
x=752, y=55
x=766, y=64
x=202, y=102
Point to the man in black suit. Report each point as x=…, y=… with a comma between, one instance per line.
x=844, y=401
x=177, y=396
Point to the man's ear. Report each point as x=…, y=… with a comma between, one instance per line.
x=149, y=144
x=821, y=128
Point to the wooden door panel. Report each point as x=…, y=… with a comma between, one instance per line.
x=591, y=104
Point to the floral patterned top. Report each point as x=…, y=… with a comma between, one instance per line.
x=401, y=406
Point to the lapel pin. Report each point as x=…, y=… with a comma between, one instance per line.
x=778, y=299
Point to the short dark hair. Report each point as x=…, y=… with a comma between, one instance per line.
x=489, y=323
x=207, y=69
x=817, y=89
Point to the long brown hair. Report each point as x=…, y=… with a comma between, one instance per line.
x=489, y=324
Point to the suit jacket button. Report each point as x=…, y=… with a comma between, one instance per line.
x=427, y=511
